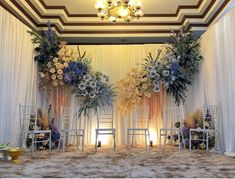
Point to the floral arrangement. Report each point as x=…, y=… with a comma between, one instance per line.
x=183, y=55
x=95, y=92
x=132, y=88
x=173, y=70
x=60, y=66
x=193, y=121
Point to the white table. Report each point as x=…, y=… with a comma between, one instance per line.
x=204, y=131
x=163, y=133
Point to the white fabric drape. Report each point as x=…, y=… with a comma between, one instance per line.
x=17, y=75
x=215, y=83
x=114, y=61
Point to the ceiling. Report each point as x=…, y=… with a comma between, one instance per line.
x=76, y=20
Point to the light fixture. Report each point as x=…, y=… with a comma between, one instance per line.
x=115, y=10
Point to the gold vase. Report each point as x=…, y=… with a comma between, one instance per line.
x=15, y=153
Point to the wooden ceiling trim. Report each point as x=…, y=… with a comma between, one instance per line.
x=11, y=10
x=180, y=7
x=118, y=24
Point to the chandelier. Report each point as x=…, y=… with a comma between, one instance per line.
x=114, y=10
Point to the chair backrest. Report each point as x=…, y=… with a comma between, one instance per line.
x=140, y=118
x=28, y=117
x=171, y=115
x=69, y=118
x=212, y=116
x=105, y=118
x=65, y=117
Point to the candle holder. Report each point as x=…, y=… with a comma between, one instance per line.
x=99, y=144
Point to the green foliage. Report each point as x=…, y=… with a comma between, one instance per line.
x=48, y=45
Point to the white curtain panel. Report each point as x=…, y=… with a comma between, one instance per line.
x=17, y=75
x=115, y=61
x=215, y=84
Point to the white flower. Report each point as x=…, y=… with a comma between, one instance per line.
x=149, y=68
x=66, y=64
x=144, y=86
x=42, y=75
x=152, y=73
x=174, y=60
x=165, y=73
x=156, y=83
x=92, y=95
x=82, y=86
x=147, y=94
x=168, y=67
x=55, y=60
x=60, y=72
x=60, y=77
x=55, y=83
x=158, y=63
x=53, y=77
x=84, y=93
x=157, y=77
x=59, y=66
x=52, y=70
x=179, y=57
x=87, y=77
x=93, y=77
x=156, y=89
x=92, y=84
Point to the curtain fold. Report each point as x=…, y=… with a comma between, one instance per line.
x=17, y=75
x=215, y=84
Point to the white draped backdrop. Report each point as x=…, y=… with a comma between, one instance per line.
x=213, y=85
x=17, y=74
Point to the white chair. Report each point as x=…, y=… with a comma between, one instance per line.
x=212, y=117
x=69, y=129
x=29, y=129
x=140, y=126
x=171, y=115
x=105, y=124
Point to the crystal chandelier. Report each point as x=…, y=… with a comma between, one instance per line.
x=115, y=10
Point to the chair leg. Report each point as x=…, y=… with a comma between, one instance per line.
x=64, y=143
x=82, y=141
x=160, y=140
x=145, y=135
x=58, y=148
x=114, y=144
x=50, y=142
x=127, y=139
x=78, y=141
x=165, y=140
x=148, y=136
x=96, y=136
x=190, y=137
x=132, y=142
